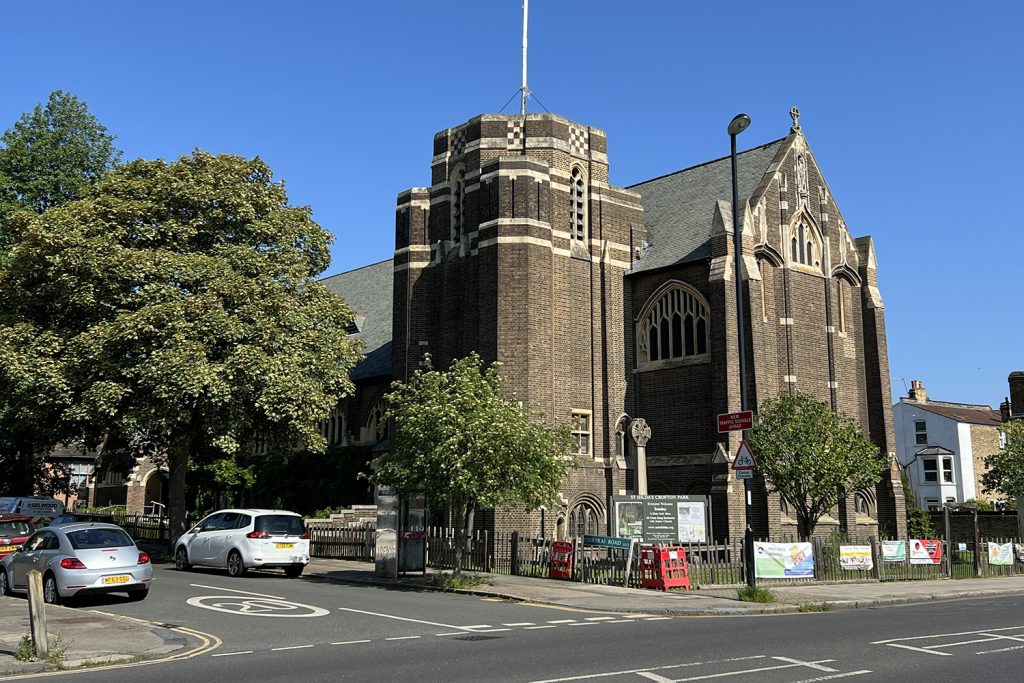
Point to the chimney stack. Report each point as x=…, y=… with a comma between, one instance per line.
x=1004, y=411
x=917, y=392
x=1016, y=380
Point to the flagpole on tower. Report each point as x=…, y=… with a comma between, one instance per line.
x=525, y=91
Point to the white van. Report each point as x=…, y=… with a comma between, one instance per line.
x=41, y=510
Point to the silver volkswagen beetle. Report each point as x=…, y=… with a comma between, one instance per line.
x=77, y=560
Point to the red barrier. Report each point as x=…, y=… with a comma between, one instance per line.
x=663, y=568
x=562, y=553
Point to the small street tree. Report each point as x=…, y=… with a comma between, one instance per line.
x=185, y=315
x=812, y=456
x=461, y=439
x=1005, y=469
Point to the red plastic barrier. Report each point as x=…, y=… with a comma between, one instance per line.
x=562, y=553
x=663, y=568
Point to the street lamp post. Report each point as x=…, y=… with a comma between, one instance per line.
x=739, y=123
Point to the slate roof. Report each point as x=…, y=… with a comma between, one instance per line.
x=679, y=207
x=368, y=290
x=962, y=412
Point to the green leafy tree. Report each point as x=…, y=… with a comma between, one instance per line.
x=465, y=442
x=50, y=156
x=812, y=456
x=1005, y=469
x=184, y=299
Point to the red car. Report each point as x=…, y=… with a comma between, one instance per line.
x=14, y=530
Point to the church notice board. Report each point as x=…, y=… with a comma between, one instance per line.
x=661, y=519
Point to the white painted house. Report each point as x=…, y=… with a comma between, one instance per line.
x=942, y=446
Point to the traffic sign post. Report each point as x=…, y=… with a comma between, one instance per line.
x=744, y=459
x=735, y=422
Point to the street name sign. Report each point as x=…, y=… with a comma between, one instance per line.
x=607, y=541
x=735, y=422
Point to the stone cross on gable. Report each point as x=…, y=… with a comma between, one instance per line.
x=794, y=114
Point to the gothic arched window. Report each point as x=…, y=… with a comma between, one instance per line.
x=804, y=246
x=674, y=326
x=585, y=519
x=376, y=428
x=577, y=205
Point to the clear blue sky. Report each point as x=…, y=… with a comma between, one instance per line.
x=911, y=109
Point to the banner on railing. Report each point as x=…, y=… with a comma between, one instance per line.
x=925, y=551
x=783, y=560
x=856, y=557
x=894, y=551
x=1000, y=553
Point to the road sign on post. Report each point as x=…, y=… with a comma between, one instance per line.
x=744, y=459
x=736, y=422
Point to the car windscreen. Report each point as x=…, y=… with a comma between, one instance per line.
x=15, y=528
x=8, y=504
x=280, y=525
x=87, y=539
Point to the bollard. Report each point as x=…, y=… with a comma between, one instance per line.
x=37, y=614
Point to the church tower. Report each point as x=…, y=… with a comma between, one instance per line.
x=517, y=251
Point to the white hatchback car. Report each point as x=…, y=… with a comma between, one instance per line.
x=246, y=539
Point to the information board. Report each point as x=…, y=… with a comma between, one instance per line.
x=661, y=519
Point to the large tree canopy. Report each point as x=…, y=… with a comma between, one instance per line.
x=812, y=456
x=1005, y=469
x=461, y=439
x=184, y=297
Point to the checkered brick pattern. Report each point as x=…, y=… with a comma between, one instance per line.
x=577, y=141
x=515, y=134
x=458, y=141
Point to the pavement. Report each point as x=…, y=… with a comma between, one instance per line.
x=91, y=637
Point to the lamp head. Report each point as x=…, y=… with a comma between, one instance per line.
x=738, y=124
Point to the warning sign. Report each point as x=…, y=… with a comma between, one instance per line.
x=744, y=459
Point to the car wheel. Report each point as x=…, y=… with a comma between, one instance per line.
x=181, y=560
x=5, y=589
x=51, y=596
x=294, y=571
x=137, y=595
x=236, y=567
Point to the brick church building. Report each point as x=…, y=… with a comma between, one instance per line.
x=606, y=304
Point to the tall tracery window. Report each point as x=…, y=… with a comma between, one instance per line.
x=803, y=246
x=584, y=519
x=458, y=205
x=577, y=205
x=842, y=307
x=376, y=426
x=676, y=326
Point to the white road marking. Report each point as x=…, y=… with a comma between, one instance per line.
x=599, y=618
x=656, y=618
x=650, y=668
x=456, y=633
x=946, y=635
x=520, y=623
x=492, y=630
x=534, y=628
x=231, y=654
x=561, y=621
x=752, y=671
x=813, y=665
x=621, y=621
x=475, y=626
x=655, y=677
x=920, y=649
x=350, y=642
x=404, y=638
x=256, y=607
x=232, y=590
x=1002, y=649
x=999, y=637
x=833, y=676
x=415, y=621
x=293, y=647
x=584, y=623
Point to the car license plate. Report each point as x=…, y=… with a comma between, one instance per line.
x=283, y=546
x=117, y=579
x=12, y=548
